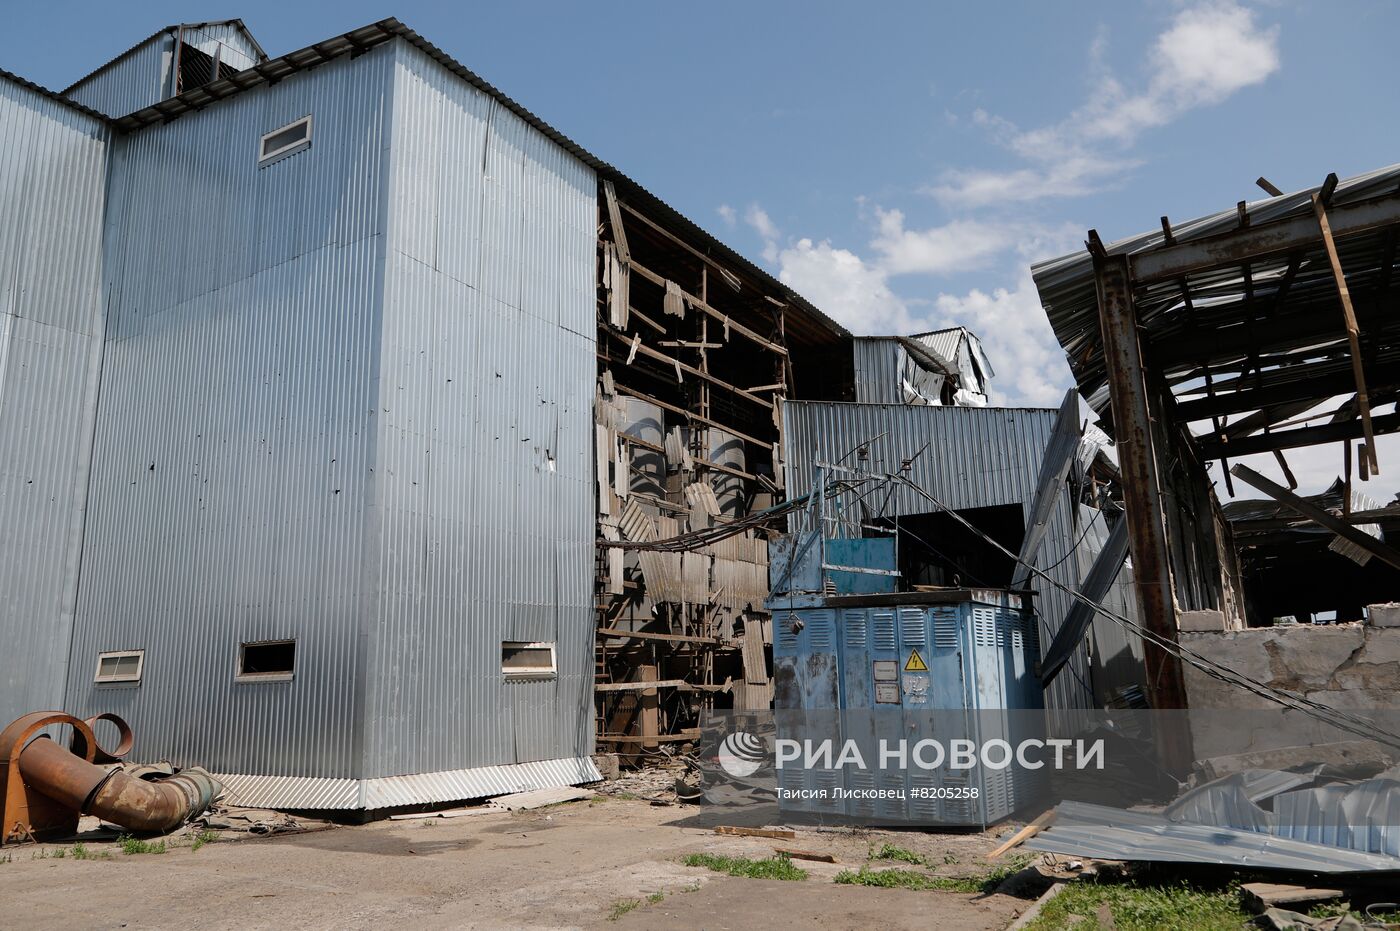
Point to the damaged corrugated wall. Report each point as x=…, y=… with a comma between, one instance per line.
x=697, y=351
x=984, y=463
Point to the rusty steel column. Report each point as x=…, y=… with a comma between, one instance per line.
x=1142, y=502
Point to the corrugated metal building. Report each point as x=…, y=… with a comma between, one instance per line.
x=52, y=190
x=341, y=468
x=967, y=458
x=938, y=367
x=163, y=65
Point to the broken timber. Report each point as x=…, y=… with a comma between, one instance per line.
x=1316, y=514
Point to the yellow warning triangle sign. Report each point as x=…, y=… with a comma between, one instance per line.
x=915, y=663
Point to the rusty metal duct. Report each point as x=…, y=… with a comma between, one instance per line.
x=114, y=795
x=70, y=783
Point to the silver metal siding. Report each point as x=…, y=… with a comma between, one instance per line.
x=877, y=370
x=138, y=80
x=233, y=456
x=52, y=186
x=975, y=457
x=485, y=491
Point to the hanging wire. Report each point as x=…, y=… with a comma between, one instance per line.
x=1352, y=724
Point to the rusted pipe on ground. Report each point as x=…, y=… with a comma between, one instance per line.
x=114, y=795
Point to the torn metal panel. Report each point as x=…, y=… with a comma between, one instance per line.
x=1344, y=547
x=1095, y=586
x=1225, y=803
x=1054, y=467
x=1081, y=829
x=1362, y=816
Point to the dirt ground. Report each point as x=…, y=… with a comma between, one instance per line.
x=567, y=866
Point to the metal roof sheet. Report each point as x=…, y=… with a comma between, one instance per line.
x=1085, y=830
x=1221, y=291
x=52, y=95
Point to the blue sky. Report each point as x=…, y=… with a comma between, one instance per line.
x=900, y=164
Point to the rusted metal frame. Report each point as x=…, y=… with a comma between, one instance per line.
x=1353, y=330
x=1216, y=425
x=1278, y=237
x=646, y=350
x=1293, y=439
x=1318, y=388
x=1317, y=515
x=1132, y=416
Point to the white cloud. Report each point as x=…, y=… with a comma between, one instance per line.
x=1030, y=366
x=854, y=292
x=939, y=250
x=758, y=218
x=1207, y=54
x=726, y=213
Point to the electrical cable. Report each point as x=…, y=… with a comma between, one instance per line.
x=1353, y=724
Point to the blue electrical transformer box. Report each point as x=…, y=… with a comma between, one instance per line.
x=892, y=669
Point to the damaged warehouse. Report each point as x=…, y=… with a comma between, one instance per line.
x=385, y=468
x=315, y=415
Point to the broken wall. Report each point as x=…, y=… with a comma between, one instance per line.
x=1349, y=666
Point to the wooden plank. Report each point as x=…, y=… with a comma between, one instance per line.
x=639, y=686
x=1353, y=331
x=805, y=855
x=631, y=393
x=755, y=832
x=615, y=220
x=679, y=737
x=1025, y=834
x=1317, y=515
x=703, y=307
x=1258, y=897
x=646, y=350
x=729, y=277
x=1291, y=439
x=648, y=635
x=649, y=719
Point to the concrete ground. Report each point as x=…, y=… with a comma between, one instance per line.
x=576, y=865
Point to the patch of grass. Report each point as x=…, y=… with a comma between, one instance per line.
x=905, y=879
x=622, y=907
x=1142, y=907
x=778, y=867
x=130, y=845
x=915, y=879
x=903, y=854
x=7, y=858
x=655, y=897
x=205, y=836
x=80, y=852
